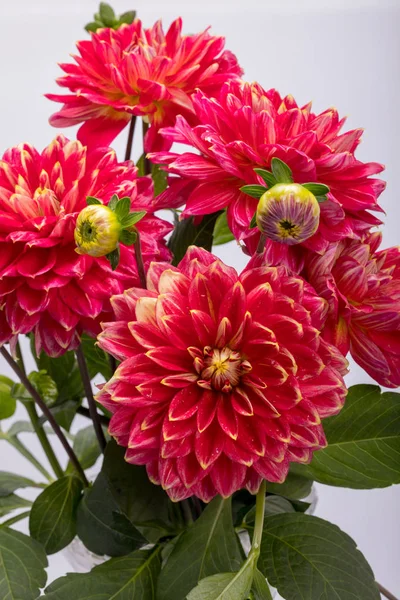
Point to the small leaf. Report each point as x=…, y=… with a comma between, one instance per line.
x=217, y=587
x=113, y=202
x=253, y=222
x=64, y=371
x=363, y=442
x=102, y=526
x=321, y=199
x=92, y=200
x=131, y=577
x=140, y=165
x=253, y=190
x=52, y=521
x=8, y=403
x=267, y=176
x=280, y=170
x=93, y=26
x=113, y=258
x=159, y=177
x=132, y=219
x=107, y=14
x=122, y=208
x=97, y=360
x=45, y=386
x=208, y=547
x=127, y=17
x=9, y=482
x=294, y=486
x=86, y=447
x=22, y=566
x=274, y=505
x=222, y=234
x=260, y=587
x=307, y=557
x=12, y=502
x=318, y=189
x=128, y=238
x=186, y=234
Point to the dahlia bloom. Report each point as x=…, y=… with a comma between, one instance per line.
x=362, y=286
x=224, y=378
x=45, y=286
x=245, y=128
x=143, y=72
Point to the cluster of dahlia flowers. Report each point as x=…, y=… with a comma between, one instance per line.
x=224, y=378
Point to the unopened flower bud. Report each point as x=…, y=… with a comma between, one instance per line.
x=288, y=213
x=97, y=230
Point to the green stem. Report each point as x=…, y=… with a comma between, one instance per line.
x=87, y=386
x=40, y=432
x=44, y=440
x=259, y=523
x=147, y=163
x=15, y=519
x=139, y=261
x=26, y=454
x=187, y=513
x=129, y=143
x=47, y=413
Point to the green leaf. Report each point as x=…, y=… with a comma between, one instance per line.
x=64, y=413
x=222, y=234
x=8, y=403
x=45, y=386
x=122, y=208
x=274, y=505
x=321, y=199
x=208, y=547
x=91, y=199
x=267, y=176
x=113, y=258
x=64, y=371
x=253, y=190
x=52, y=521
x=363, y=442
x=113, y=202
x=93, y=26
x=9, y=482
x=281, y=171
x=222, y=586
x=253, y=222
x=187, y=234
x=127, y=17
x=140, y=165
x=260, y=588
x=12, y=502
x=131, y=577
x=159, y=177
x=134, y=494
x=86, y=448
x=107, y=14
x=128, y=238
x=132, y=218
x=306, y=557
x=22, y=566
x=318, y=189
x=96, y=359
x=295, y=486
x=102, y=526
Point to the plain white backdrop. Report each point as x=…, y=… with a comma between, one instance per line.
x=336, y=53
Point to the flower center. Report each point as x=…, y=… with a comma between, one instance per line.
x=220, y=369
x=88, y=231
x=288, y=229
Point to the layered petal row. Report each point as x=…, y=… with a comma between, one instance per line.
x=224, y=378
x=45, y=286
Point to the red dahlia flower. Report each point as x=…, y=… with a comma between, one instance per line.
x=362, y=286
x=245, y=128
x=143, y=72
x=224, y=379
x=45, y=286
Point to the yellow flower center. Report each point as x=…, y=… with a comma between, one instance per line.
x=221, y=369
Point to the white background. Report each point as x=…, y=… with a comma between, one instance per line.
x=340, y=53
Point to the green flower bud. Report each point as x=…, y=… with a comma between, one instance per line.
x=288, y=213
x=97, y=230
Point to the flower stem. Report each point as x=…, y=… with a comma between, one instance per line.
x=91, y=401
x=38, y=428
x=259, y=522
x=187, y=513
x=385, y=592
x=147, y=163
x=43, y=439
x=261, y=243
x=129, y=143
x=82, y=410
x=15, y=519
x=47, y=413
x=139, y=261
